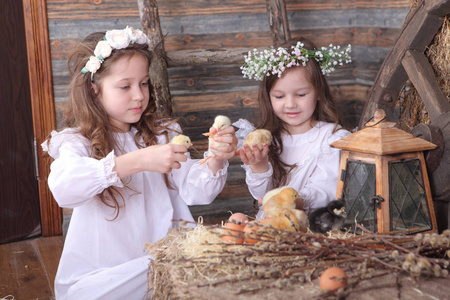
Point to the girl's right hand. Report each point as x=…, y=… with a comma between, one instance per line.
x=258, y=160
x=163, y=158
x=156, y=158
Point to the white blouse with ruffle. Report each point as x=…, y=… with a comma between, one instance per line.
x=317, y=171
x=94, y=240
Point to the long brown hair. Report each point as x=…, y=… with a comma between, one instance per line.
x=83, y=112
x=325, y=111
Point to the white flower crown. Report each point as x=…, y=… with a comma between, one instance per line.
x=113, y=39
x=275, y=61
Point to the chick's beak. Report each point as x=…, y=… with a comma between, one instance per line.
x=341, y=212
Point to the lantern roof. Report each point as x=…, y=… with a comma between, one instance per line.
x=382, y=138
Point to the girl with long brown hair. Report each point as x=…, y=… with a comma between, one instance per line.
x=297, y=107
x=113, y=164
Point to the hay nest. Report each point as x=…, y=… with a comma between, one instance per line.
x=196, y=264
x=413, y=111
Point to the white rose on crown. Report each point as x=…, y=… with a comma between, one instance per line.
x=93, y=64
x=141, y=38
x=131, y=33
x=102, y=50
x=136, y=35
x=118, y=39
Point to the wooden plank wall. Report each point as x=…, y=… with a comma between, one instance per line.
x=201, y=92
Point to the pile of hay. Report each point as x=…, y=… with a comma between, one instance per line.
x=196, y=264
x=413, y=111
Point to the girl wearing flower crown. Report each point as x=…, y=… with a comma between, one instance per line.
x=297, y=108
x=114, y=166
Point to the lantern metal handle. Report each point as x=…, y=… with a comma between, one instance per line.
x=378, y=122
x=375, y=202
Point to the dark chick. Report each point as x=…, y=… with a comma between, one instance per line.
x=329, y=217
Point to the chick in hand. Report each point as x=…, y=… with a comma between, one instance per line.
x=276, y=200
x=220, y=123
x=258, y=137
x=288, y=219
x=181, y=140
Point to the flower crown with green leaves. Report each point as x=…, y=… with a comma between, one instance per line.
x=113, y=39
x=275, y=61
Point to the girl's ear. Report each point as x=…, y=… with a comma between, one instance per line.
x=95, y=90
x=94, y=87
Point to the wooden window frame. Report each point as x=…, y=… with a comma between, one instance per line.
x=42, y=106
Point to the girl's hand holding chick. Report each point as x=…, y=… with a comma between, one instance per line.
x=156, y=158
x=164, y=158
x=256, y=149
x=257, y=159
x=224, y=147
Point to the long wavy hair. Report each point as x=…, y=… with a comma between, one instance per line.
x=325, y=111
x=84, y=113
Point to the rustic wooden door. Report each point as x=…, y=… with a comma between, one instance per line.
x=19, y=197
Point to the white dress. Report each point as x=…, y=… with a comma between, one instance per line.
x=105, y=258
x=317, y=171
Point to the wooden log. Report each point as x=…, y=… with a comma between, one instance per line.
x=159, y=79
x=208, y=57
x=422, y=76
x=278, y=21
x=209, y=101
x=116, y=9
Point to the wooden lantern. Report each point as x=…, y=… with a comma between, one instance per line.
x=384, y=180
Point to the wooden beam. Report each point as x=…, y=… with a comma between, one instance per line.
x=159, y=79
x=421, y=74
x=42, y=106
x=278, y=21
x=202, y=57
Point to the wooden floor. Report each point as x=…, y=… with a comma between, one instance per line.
x=28, y=268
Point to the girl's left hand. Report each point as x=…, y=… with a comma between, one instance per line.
x=226, y=143
x=258, y=160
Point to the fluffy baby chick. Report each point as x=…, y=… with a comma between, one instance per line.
x=258, y=137
x=288, y=219
x=329, y=217
x=181, y=140
x=285, y=197
x=302, y=218
x=220, y=122
x=272, y=193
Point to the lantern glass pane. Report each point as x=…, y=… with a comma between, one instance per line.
x=359, y=188
x=408, y=200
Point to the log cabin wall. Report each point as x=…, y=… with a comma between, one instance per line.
x=199, y=93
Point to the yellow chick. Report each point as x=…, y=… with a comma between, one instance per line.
x=302, y=218
x=181, y=140
x=288, y=219
x=220, y=122
x=284, y=197
x=258, y=137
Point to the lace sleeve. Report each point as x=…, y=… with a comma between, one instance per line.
x=111, y=175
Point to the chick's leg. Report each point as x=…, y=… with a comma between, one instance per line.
x=201, y=162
